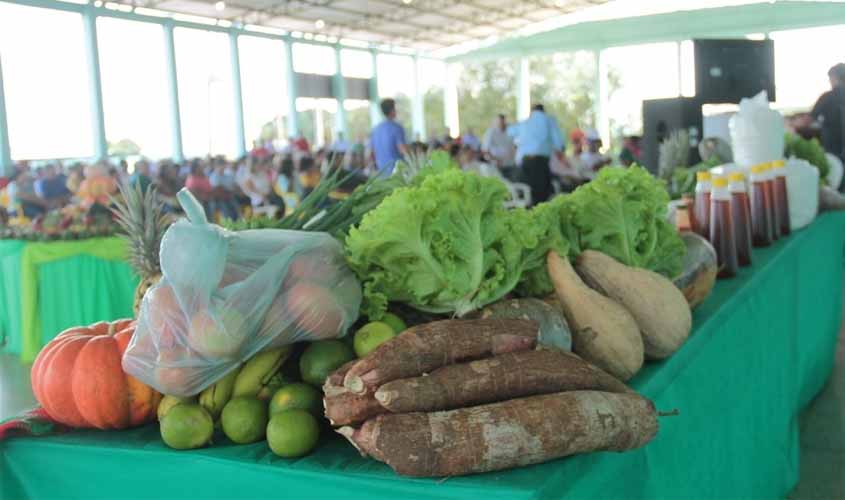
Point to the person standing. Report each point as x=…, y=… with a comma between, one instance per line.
x=498, y=147
x=537, y=138
x=828, y=112
x=388, y=140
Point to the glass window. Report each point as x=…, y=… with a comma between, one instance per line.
x=802, y=59
x=316, y=59
x=316, y=120
x=356, y=63
x=638, y=72
x=206, y=99
x=135, y=94
x=45, y=77
x=263, y=88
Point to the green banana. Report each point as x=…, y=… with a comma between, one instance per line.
x=259, y=371
x=167, y=402
x=215, y=397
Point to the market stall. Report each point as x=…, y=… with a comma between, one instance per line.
x=46, y=287
x=760, y=349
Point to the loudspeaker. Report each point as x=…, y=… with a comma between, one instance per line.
x=663, y=116
x=729, y=70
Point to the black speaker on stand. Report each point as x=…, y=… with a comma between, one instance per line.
x=663, y=116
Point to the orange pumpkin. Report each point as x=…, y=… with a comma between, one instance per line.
x=79, y=381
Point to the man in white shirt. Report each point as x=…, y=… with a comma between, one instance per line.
x=498, y=147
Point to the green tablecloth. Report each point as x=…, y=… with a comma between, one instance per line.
x=762, y=346
x=46, y=287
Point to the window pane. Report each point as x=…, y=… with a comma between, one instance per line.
x=263, y=88
x=317, y=59
x=206, y=99
x=135, y=98
x=356, y=63
x=636, y=73
x=316, y=120
x=45, y=77
x=802, y=59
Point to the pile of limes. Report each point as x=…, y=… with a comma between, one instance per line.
x=289, y=421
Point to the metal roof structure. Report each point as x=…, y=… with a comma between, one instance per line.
x=419, y=25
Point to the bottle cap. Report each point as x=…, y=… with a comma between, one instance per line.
x=758, y=169
x=778, y=164
x=702, y=176
x=720, y=182
x=736, y=177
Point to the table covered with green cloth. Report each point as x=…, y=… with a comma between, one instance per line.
x=761, y=348
x=46, y=287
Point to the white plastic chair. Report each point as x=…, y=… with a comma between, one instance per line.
x=520, y=192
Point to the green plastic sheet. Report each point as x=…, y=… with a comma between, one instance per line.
x=761, y=348
x=49, y=286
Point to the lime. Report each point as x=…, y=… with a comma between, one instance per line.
x=186, y=426
x=292, y=433
x=168, y=402
x=244, y=419
x=395, y=322
x=297, y=396
x=321, y=358
x=372, y=335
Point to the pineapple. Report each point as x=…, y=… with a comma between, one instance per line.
x=674, y=153
x=143, y=223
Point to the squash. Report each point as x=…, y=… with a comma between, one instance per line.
x=79, y=381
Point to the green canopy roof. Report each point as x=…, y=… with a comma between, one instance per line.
x=725, y=21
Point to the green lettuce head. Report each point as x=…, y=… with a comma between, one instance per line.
x=446, y=245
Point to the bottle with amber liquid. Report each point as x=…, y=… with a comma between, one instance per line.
x=722, y=234
x=781, y=198
x=741, y=214
x=701, y=205
x=761, y=228
x=774, y=219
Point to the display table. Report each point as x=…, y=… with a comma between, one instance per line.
x=761, y=348
x=46, y=287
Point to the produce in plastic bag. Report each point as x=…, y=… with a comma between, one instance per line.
x=802, y=190
x=225, y=296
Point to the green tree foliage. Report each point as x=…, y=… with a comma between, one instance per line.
x=484, y=90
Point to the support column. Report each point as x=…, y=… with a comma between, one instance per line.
x=240, y=139
x=602, y=120
x=523, y=84
x=6, y=165
x=376, y=115
x=290, y=81
x=173, y=93
x=319, y=137
x=339, y=92
x=95, y=84
x=417, y=105
x=450, y=100
x=680, y=75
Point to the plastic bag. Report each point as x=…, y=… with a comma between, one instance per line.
x=757, y=132
x=802, y=192
x=225, y=296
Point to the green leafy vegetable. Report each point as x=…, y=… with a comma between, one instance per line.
x=810, y=150
x=623, y=214
x=541, y=232
x=446, y=245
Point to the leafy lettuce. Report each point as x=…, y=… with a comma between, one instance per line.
x=446, y=245
x=622, y=213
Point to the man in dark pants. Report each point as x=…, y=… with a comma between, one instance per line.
x=537, y=138
x=828, y=112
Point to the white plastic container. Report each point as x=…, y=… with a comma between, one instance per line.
x=757, y=132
